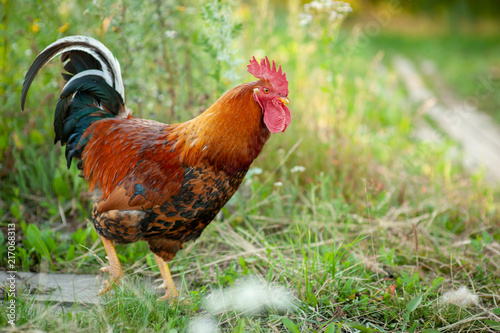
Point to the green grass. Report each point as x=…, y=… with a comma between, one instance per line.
x=369, y=236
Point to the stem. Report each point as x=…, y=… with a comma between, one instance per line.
x=5, y=44
x=166, y=57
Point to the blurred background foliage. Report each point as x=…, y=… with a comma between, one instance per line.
x=349, y=164
x=452, y=10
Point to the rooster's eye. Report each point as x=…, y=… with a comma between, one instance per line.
x=266, y=90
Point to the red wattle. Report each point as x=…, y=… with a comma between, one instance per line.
x=276, y=117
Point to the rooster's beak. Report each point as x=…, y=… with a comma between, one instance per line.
x=285, y=100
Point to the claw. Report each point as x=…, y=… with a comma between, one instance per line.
x=110, y=283
x=171, y=295
x=162, y=286
x=172, y=299
x=107, y=287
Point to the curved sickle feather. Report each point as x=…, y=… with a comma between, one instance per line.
x=109, y=64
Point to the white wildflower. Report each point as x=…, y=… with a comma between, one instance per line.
x=344, y=8
x=316, y=5
x=171, y=34
x=278, y=184
x=203, y=325
x=461, y=297
x=253, y=171
x=305, y=19
x=297, y=169
x=324, y=13
x=333, y=16
x=249, y=298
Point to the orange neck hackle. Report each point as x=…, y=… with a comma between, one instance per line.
x=229, y=135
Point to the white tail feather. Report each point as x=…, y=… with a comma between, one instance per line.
x=90, y=46
x=95, y=72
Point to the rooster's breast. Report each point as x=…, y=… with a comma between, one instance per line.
x=204, y=192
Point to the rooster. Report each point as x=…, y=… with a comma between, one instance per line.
x=151, y=181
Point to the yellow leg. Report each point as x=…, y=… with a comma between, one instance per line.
x=170, y=290
x=115, y=268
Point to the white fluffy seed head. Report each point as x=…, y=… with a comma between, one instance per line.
x=249, y=297
x=461, y=297
x=203, y=325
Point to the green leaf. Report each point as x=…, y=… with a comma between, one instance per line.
x=93, y=234
x=332, y=328
x=413, y=304
x=60, y=186
x=14, y=210
x=290, y=325
x=24, y=258
x=152, y=263
x=35, y=238
x=241, y=327
x=24, y=228
x=430, y=330
x=436, y=283
x=79, y=236
x=361, y=328
x=243, y=265
x=48, y=239
x=493, y=324
x=2, y=248
x=70, y=255
x=496, y=311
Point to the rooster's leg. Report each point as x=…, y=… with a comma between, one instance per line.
x=170, y=290
x=115, y=268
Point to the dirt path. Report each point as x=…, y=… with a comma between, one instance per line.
x=62, y=288
x=477, y=132
x=67, y=290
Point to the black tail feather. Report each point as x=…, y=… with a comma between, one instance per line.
x=94, y=89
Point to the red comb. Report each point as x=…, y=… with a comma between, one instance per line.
x=264, y=71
